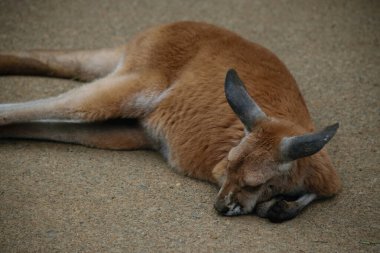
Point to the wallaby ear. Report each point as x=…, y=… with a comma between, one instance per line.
x=292, y=148
x=241, y=103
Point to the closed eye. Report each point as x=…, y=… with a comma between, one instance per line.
x=251, y=189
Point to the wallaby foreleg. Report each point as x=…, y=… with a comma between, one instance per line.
x=278, y=209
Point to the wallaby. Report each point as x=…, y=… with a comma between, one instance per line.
x=180, y=83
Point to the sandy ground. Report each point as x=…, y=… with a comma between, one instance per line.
x=67, y=198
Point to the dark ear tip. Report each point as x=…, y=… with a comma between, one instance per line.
x=329, y=132
x=232, y=76
x=332, y=128
x=231, y=72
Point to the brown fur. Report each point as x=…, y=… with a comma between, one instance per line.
x=191, y=123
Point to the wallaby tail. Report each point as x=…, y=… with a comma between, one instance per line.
x=80, y=65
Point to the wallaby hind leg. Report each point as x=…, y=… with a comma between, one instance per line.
x=81, y=65
x=116, y=135
x=116, y=96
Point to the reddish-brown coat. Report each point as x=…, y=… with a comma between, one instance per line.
x=171, y=78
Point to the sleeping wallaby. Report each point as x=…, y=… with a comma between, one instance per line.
x=183, y=85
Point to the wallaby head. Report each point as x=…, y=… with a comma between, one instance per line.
x=269, y=149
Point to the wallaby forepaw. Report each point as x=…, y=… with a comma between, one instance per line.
x=281, y=211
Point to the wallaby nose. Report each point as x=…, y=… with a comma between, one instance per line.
x=221, y=207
